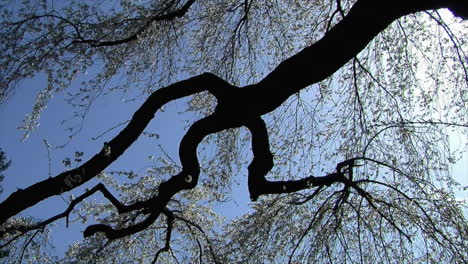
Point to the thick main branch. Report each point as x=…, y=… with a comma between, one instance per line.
x=365, y=20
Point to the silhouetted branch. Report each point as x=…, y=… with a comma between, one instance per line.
x=309, y=197
x=198, y=227
x=160, y=17
x=263, y=162
x=22, y=199
x=167, y=243
x=318, y=215
x=25, y=246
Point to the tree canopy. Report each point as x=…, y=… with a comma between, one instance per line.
x=338, y=113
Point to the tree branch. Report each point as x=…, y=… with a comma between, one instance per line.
x=167, y=243
x=135, y=36
x=65, y=181
x=263, y=162
x=236, y=107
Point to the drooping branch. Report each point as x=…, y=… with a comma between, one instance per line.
x=121, y=208
x=65, y=181
x=144, y=207
x=167, y=243
x=185, y=180
x=200, y=229
x=263, y=162
x=159, y=17
x=162, y=15
x=236, y=107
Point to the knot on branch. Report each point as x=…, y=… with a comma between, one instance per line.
x=189, y=180
x=346, y=167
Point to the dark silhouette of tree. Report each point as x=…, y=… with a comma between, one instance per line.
x=377, y=204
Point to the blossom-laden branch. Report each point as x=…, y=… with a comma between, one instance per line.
x=165, y=14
